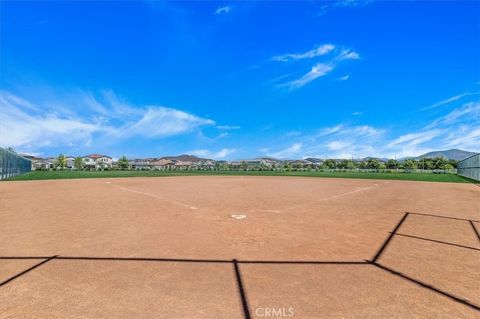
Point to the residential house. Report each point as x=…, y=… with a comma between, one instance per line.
x=250, y=164
x=70, y=162
x=140, y=164
x=180, y=165
x=97, y=161
x=162, y=164
x=43, y=163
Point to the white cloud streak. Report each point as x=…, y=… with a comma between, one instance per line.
x=227, y=127
x=163, y=121
x=84, y=119
x=319, y=69
x=221, y=154
x=458, y=128
x=289, y=152
x=319, y=51
x=446, y=101
x=223, y=10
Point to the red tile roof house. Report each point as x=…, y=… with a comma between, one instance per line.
x=97, y=161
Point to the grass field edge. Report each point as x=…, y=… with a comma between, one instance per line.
x=421, y=177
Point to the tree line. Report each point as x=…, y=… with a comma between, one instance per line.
x=437, y=163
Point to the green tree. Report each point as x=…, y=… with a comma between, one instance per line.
x=448, y=166
x=453, y=163
x=373, y=163
x=391, y=164
x=78, y=162
x=363, y=165
x=439, y=162
x=123, y=162
x=330, y=163
x=426, y=163
x=410, y=164
x=61, y=161
x=350, y=164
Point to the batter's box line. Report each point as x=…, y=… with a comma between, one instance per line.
x=447, y=217
x=416, y=281
x=475, y=230
x=27, y=270
x=427, y=286
x=437, y=241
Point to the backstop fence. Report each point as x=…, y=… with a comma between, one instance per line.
x=12, y=164
x=470, y=167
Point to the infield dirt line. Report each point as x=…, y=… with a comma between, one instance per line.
x=387, y=241
x=438, y=241
x=26, y=271
x=156, y=197
x=475, y=229
x=425, y=285
x=184, y=260
x=362, y=189
x=241, y=290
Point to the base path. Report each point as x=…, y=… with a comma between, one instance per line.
x=171, y=247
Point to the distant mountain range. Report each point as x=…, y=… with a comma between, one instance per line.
x=453, y=154
x=185, y=158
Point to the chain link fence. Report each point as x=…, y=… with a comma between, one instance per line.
x=12, y=164
x=470, y=167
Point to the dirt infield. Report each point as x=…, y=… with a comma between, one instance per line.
x=169, y=247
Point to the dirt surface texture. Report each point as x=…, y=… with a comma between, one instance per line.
x=239, y=247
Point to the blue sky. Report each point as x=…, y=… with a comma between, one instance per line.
x=232, y=80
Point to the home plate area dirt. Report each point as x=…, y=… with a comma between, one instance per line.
x=239, y=247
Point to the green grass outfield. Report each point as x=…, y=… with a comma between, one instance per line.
x=427, y=177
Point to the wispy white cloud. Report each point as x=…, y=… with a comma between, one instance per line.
x=227, y=127
x=83, y=118
x=223, y=135
x=330, y=130
x=458, y=128
x=162, y=121
x=335, y=55
x=221, y=154
x=352, y=3
x=319, y=51
x=337, y=145
x=289, y=152
x=344, y=78
x=348, y=55
x=466, y=137
x=224, y=9
x=317, y=71
x=469, y=112
x=342, y=4
x=415, y=138
x=446, y=101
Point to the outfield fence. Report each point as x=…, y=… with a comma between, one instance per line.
x=470, y=167
x=12, y=164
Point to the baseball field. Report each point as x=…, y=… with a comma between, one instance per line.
x=239, y=247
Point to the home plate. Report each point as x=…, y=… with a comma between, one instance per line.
x=239, y=216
